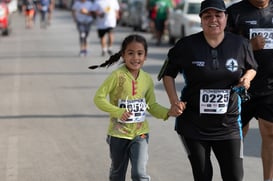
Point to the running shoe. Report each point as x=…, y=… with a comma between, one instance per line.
x=110, y=52
x=83, y=53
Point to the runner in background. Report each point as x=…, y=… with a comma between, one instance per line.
x=43, y=6
x=162, y=8
x=28, y=7
x=253, y=19
x=106, y=21
x=50, y=11
x=83, y=12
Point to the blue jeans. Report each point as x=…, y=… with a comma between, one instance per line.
x=123, y=150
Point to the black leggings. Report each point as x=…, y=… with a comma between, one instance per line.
x=228, y=153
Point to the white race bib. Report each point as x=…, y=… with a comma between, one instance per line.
x=266, y=33
x=214, y=101
x=136, y=107
x=44, y=8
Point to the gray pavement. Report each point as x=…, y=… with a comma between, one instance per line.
x=50, y=129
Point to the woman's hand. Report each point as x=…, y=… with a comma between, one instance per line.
x=244, y=82
x=247, y=78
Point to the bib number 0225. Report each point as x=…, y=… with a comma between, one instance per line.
x=214, y=101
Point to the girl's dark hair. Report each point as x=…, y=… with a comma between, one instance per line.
x=115, y=58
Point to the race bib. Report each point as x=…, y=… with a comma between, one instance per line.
x=214, y=101
x=267, y=33
x=136, y=107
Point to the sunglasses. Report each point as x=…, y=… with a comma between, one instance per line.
x=215, y=62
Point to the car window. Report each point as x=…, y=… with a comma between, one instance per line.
x=193, y=8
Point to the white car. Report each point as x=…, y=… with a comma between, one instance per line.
x=184, y=20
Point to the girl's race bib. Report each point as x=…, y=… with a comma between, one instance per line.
x=136, y=107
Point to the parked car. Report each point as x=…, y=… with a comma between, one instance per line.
x=184, y=20
x=4, y=18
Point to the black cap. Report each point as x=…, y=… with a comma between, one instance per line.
x=218, y=5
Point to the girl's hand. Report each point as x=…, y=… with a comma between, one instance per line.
x=125, y=116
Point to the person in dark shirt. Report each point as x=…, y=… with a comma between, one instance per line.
x=253, y=19
x=214, y=64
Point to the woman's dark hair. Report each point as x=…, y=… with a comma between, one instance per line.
x=115, y=58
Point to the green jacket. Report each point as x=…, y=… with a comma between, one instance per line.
x=122, y=85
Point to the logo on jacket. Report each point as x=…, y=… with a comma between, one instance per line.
x=232, y=65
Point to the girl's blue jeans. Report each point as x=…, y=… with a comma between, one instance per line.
x=122, y=151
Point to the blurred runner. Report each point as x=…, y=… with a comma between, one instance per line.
x=107, y=17
x=82, y=11
x=28, y=8
x=43, y=6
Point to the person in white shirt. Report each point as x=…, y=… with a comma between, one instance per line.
x=106, y=20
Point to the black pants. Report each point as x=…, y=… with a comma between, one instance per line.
x=228, y=153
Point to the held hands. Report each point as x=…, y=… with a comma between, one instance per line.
x=177, y=108
x=257, y=42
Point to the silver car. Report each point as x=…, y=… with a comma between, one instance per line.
x=184, y=20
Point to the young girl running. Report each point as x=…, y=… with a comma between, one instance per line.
x=131, y=94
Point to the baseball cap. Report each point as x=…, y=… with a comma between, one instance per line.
x=218, y=5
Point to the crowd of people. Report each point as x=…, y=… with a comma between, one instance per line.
x=31, y=8
x=227, y=68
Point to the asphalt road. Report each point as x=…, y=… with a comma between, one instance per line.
x=50, y=129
